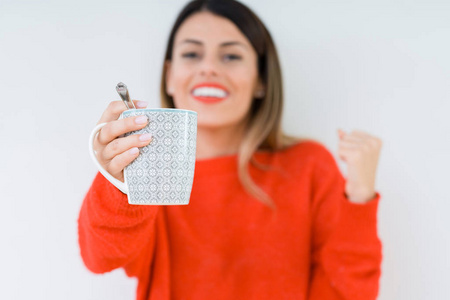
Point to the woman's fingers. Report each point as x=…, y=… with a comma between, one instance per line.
x=120, y=145
x=116, y=128
x=115, y=108
x=114, y=152
x=119, y=162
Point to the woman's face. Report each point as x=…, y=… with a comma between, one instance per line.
x=213, y=70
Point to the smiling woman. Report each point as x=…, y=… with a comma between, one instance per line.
x=270, y=216
x=233, y=58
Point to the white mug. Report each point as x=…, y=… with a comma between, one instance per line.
x=163, y=172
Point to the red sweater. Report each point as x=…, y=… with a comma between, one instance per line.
x=227, y=245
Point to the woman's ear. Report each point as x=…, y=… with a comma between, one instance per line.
x=259, y=90
x=169, y=86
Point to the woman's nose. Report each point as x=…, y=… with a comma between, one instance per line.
x=209, y=66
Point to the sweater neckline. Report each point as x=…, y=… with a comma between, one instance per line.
x=216, y=165
x=221, y=164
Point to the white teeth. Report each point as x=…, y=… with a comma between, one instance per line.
x=209, y=92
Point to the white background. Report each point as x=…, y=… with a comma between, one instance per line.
x=378, y=66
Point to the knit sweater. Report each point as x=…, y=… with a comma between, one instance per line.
x=225, y=244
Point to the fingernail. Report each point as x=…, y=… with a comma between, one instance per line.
x=142, y=104
x=141, y=120
x=145, y=137
x=133, y=151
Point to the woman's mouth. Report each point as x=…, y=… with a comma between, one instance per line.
x=209, y=93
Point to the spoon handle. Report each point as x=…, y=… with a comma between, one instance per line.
x=121, y=88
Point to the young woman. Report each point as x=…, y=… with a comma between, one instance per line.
x=270, y=216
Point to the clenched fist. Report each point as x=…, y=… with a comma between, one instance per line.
x=361, y=152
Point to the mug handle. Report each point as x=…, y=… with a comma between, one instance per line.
x=117, y=183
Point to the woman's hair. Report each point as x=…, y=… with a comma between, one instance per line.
x=263, y=130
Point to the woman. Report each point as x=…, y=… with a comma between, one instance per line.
x=270, y=216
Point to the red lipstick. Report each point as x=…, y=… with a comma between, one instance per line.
x=209, y=100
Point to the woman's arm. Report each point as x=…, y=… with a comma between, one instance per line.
x=112, y=233
x=346, y=250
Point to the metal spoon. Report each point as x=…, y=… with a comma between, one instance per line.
x=121, y=88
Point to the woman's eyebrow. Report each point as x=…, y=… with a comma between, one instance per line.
x=191, y=42
x=225, y=44
x=233, y=43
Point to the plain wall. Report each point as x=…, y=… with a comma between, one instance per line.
x=378, y=66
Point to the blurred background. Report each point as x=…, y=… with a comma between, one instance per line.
x=379, y=66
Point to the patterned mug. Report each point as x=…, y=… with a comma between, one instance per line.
x=163, y=172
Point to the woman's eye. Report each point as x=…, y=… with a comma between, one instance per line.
x=190, y=55
x=232, y=57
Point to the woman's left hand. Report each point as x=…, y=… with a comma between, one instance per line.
x=360, y=151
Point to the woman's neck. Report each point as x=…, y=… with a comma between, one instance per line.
x=216, y=142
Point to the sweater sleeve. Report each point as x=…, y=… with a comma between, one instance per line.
x=112, y=233
x=346, y=250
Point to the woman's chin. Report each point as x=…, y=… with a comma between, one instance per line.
x=210, y=125
x=217, y=123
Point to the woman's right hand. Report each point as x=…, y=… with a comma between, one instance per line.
x=114, y=153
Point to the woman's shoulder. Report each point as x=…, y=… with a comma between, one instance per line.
x=307, y=148
x=307, y=154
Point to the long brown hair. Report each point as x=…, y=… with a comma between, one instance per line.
x=264, y=126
